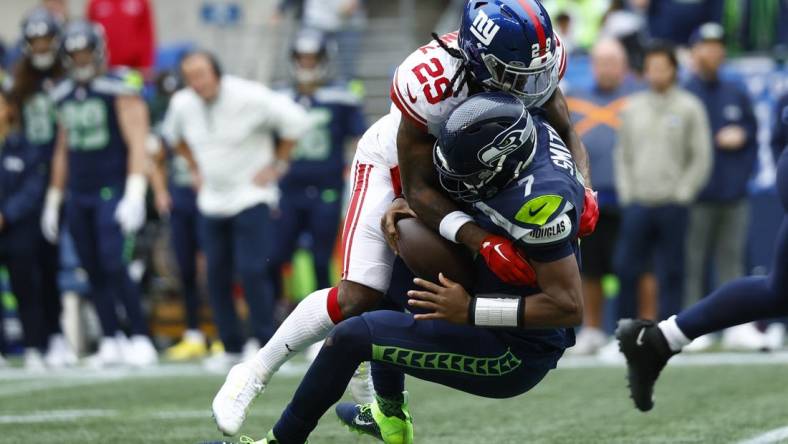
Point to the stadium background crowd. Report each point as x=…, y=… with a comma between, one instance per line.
x=697, y=212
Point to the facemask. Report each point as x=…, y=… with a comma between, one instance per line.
x=313, y=75
x=83, y=73
x=43, y=61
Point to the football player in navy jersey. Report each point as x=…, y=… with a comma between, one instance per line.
x=35, y=75
x=313, y=187
x=517, y=178
x=99, y=163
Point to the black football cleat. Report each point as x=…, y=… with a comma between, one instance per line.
x=647, y=352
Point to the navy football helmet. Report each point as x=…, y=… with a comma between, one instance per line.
x=509, y=46
x=311, y=42
x=483, y=145
x=80, y=35
x=40, y=23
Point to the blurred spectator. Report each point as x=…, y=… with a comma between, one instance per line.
x=596, y=119
x=176, y=201
x=312, y=189
x=584, y=18
x=224, y=127
x=129, y=27
x=340, y=21
x=662, y=160
x=35, y=76
x=23, y=178
x=780, y=130
x=675, y=20
x=625, y=23
x=719, y=217
x=98, y=166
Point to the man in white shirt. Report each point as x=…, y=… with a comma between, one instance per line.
x=225, y=126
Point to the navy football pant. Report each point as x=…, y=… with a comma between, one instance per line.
x=239, y=244
x=470, y=359
x=23, y=273
x=316, y=212
x=751, y=298
x=49, y=266
x=647, y=232
x=104, y=252
x=185, y=234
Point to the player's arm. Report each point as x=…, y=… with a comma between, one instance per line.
x=50, y=216
x=134, y=126
x=559, y=304
x=158, y=178
x=557, y=113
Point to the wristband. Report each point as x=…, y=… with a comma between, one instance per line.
x=496, y=312
x=452, y=223
x=136, y=186
x=53, y=198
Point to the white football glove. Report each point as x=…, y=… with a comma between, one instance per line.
x=130, y=213
x=50, y=217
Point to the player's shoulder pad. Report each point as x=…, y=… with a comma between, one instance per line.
x=422, y=80
x=337, y=95
x=62, y=90
x=119, y=82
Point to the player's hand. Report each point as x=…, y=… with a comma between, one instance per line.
x=399, y=209
x=50, y=217
x=590, y=216
x=271, y=173
x=503, y=259
x=130, y=214
x=448, y=301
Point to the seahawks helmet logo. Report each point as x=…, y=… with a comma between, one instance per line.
x=506, y=143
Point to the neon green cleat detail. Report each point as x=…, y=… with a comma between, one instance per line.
x=369, y=419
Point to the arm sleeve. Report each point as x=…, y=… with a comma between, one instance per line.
x=27, y=199
x=698, y=167
x=404, y=95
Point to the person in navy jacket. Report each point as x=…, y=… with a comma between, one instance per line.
x=23, y=179
x=718, y=219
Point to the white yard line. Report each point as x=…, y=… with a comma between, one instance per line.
x=55, y=416
x=772, y=436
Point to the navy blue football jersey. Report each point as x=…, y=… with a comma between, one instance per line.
x=97, y=152
x=541, y=212
x=39, y=119
x=318, y=160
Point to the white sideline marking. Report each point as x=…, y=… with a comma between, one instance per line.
x=772, y=436
x=182, y=414
x=54, y=416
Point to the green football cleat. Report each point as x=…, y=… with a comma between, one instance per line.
x=369, y=419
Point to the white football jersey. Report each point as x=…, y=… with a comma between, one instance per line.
x=420, y=91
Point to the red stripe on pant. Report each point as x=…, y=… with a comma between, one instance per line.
x=353, y=212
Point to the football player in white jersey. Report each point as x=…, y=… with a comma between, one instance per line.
x=506, y=45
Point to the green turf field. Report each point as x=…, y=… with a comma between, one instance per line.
x=698, y=404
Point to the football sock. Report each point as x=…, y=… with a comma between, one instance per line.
x=349, y=344
x=307, y=324
x=673, y=334
x=388, y=381
x=742, y=300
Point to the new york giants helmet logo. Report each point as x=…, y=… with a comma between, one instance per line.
x=484, y=29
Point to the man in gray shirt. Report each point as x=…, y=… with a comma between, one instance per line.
x=663, y=158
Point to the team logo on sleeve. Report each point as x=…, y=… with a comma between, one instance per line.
x=555, y=231
x=538, y=210
x=484, y=29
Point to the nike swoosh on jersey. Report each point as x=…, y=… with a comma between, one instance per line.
x=535, y=212
x=410, y=95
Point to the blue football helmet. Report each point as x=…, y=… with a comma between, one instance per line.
x=312, y=42
x=41, y=23
x=81, y=35
x=483, y=145
x=509, y=46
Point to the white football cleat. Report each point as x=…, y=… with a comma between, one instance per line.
x=242, y=385
x=140, y=352
x=360, y=385
x=34, y=362
x=108, y=355
x=59, y=353
x=589, y=341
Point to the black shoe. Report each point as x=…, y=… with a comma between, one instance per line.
x=647, y=352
